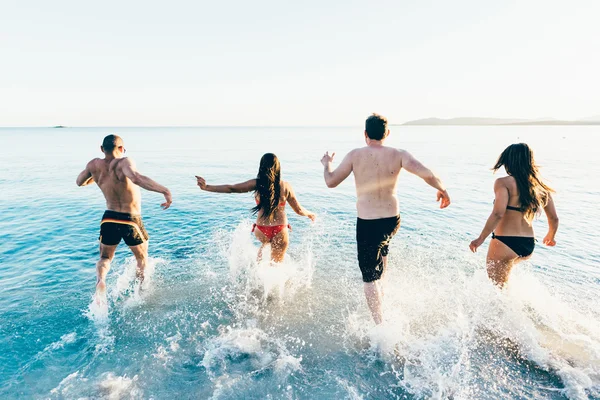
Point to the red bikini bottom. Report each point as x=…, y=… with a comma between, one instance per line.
x=271, y=231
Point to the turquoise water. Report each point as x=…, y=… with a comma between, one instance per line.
x=213, y=324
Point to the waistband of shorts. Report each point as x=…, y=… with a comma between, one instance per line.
x=387, y=219
x=109, y=214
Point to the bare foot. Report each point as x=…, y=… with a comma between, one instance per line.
x=100, y=292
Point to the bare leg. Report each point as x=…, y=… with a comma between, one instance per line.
x=500, y=261
x=260, y=252
x=141, y=256
x=374, y=297
x=279, y=245
x=382, y=279
x=263, y=242
x=107, y=253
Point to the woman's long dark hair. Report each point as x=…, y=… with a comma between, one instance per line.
x=518, y=161
x=268, y=186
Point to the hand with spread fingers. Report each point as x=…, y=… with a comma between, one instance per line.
x=327, y=158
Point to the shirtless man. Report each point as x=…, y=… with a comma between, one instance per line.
x=118, y=179
x=376, y=169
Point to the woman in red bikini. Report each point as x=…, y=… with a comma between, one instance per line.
x=271, y=195
x=519, y=198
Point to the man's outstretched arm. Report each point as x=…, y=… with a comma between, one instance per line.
x=85, y=177
x=129, y=170
x=337, y=176
x=415, y=167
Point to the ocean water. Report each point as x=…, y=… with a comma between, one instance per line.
x=212, y=323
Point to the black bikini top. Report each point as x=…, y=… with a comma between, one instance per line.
x=519, y=209
x=514, y=208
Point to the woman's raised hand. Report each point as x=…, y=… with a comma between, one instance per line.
x=201, y=182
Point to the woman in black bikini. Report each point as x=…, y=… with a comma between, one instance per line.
x=271, y=195
x=519, y=198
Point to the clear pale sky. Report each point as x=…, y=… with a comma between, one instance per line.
x=171, y=63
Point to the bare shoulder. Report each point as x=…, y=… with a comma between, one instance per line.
x=400, y=152
x=400, y=156
x=123, y=162
x=286, y=187
x=505, y=181
x=93, y=164
x=356, y=153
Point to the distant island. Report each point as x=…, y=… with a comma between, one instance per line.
x=501, y=121
x=59, y=126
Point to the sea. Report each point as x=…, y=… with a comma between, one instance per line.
x=210, y=322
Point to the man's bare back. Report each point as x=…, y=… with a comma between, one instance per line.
x=376, y=170
x=120, y=192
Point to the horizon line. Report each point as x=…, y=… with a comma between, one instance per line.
x=177, y=126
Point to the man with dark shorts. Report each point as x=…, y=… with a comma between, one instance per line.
x=120, y=183
x=376, y=169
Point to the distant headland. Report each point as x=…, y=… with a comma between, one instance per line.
x=502, y=121
x=59, y=126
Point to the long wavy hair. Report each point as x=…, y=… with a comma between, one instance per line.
x=268, y=185
x=518, y=162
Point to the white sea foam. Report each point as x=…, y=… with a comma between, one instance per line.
x=166, y=352
x=113, y=387
x=239, y=351
x=128, y=286
x=70, y=382
x=438, y=334
x=64, y=339
x=350, y=390
x=272, y=281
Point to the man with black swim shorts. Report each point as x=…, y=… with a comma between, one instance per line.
x=376, y=169
x=120, y=183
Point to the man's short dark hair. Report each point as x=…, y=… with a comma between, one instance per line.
x=110, y=142
x=376, y=127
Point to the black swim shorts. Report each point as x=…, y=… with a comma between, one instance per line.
x=372, y=238
x=116, y=226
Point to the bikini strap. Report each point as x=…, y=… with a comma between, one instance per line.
x=253, y=227
x=289, y=227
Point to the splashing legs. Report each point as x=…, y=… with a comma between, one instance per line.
x=141, y=256
x=500, y=261
x=279, y=244
x=102, y=267
x=374, y=296
x=382, y=279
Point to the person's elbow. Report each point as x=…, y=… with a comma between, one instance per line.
x=331, y=184
x=429, y=177
x=78, y=182
x=553, y=220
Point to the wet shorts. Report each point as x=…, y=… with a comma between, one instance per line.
x=116, y=226
x=372, y=238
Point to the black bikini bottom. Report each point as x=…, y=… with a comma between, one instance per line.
x=522, y=245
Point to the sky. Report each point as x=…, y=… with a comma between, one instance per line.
x=302, y=63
